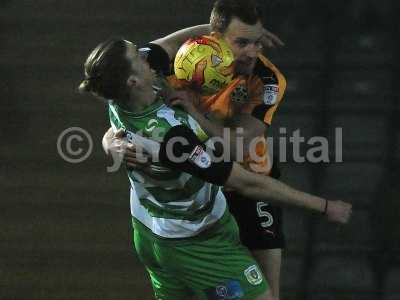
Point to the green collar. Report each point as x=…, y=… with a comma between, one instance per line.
x=159, y=102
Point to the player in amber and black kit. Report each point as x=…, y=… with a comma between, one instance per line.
x=249, y=102
x=183, y=231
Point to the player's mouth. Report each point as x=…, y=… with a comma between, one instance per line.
x=244, y=67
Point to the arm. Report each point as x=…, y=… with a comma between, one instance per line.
x=251, y=127
x=198, y=162
x=261, y=187
x=173, y=41
x=271, y=40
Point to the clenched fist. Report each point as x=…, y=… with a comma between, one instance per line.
x=338, y=211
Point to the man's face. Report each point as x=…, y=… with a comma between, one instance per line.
x=144, y=76
x=245, y=42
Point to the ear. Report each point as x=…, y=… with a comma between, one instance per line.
x=131, y=81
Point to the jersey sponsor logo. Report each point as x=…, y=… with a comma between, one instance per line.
x=221, y=291
x=216, y=83
x=271, y=92
x=200, y=158
x=230, y=290
x=151, y=125
x=253, y=275
x=239, y=94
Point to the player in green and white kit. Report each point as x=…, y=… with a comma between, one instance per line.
x=184, y=233
x=183, y=230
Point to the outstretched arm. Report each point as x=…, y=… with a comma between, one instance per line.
x=182, y=150
x=173, y=41
x=260, y=187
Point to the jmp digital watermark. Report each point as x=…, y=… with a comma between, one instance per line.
x=137, y=149
x=74, y=145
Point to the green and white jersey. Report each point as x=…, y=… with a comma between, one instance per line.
x=172, y=204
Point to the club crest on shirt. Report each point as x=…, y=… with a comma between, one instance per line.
x=200, y=158
x=271, y=92
x=239, y=94
x=253, y=275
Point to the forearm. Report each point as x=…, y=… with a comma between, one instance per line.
x=212, y=129
x=261, y=187
x=193, y=31
x=284, y=194
x=173, y=41
x=227, y=134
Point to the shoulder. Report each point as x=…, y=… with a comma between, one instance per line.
x=265, y=69
x=266, y=73
x=177, y=117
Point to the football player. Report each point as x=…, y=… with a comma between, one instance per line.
x=184, y=233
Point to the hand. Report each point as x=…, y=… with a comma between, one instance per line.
x=185, y=99
x=120, y=149
x=136, y=157
x=338, y=211
x=270, y=40
x=114, y=143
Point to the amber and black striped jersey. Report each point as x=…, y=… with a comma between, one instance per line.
x=259, y=95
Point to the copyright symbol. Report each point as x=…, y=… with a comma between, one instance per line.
x=74, y=145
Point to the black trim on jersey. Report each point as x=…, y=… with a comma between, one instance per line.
x=216, y=173
x=158, y=59
x=259, y=111
x=267, y=76
x=275, y=171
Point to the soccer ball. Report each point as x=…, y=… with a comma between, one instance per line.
x=205, y=63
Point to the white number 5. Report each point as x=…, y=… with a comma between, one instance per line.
x=262, y=213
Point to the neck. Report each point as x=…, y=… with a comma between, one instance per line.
x=140, y=100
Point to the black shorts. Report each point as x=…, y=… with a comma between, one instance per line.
x=260, y=223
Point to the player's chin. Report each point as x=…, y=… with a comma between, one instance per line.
x=244, y=68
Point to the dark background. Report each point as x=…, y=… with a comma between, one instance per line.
x=65, y=228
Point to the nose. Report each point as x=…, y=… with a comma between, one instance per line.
x=253, y=50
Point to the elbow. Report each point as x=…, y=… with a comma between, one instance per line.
x=242, y=181
x=257, y=130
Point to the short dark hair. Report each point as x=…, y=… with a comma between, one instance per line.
x=224, y=11
x=107, y=69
